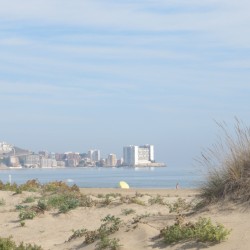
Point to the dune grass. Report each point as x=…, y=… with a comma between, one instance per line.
x=228, y=165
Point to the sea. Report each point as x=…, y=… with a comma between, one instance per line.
x=153, y=178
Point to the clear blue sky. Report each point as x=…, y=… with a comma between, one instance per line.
x=84, y=74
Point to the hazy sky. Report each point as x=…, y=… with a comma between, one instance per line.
x=84, y=74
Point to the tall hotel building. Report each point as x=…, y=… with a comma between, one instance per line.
x=94, y=155
x=138, y=155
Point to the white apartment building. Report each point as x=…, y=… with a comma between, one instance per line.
x=47, y=163
x=138, y=155
x=5, y=147
x=32, y=160
x=94, y=155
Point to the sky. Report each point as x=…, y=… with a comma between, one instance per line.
x=82, y=74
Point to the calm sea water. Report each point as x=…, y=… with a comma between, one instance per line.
x=109, y=177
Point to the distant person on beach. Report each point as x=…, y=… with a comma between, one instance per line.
x=177, y=185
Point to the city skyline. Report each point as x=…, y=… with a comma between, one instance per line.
x=132, y=156
x=103, y=74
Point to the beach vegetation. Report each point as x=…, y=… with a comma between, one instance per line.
x=9, y=244
x=60, y=186
x=156, y=200
x=22, y=223
x=107, y=200
x=227, y=166
x=68, y=204
x=202, y=231
x=27, y=214
x=18, y=191
x=77, y=233
x=108, y=243
x=110, y=225
x=2, y=202
x=137, y=201
x=127, y=211
x=179, y=206
x=31, y=186
x=29, y=199
x=42, y=205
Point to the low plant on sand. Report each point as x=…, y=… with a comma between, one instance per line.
x=29, y=199
x=22, y=223
x=156, y=200
x=106, y=243
x=9, y=244
x=203, y=230
x=2, y=202
x=68, y=204
x=77, y=234
x=128, y=211
x=27, y=214
x=110, y=225
x=137, y=201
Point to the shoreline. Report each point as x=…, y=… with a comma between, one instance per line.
x=152, y=191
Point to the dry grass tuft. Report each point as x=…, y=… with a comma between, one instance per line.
x=228, y=165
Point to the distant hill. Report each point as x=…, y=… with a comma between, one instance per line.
x=18, y=151
x=21, y=151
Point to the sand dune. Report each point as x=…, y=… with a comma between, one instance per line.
x=51, y=230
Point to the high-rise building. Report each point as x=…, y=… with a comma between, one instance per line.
x=111, y=160
x=94, y=155
x=130, y=155
x=138, y=155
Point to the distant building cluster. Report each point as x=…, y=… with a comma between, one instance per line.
x=5, y=147
x=132, y=156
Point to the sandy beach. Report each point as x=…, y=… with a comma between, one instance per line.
x=140, y=229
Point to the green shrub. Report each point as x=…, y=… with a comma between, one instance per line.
x=18, y=191
x=21, y=207
x=31, y=186
x=29, y=199
x=228, y=166
x=27, y=214
x=86, y=201
x=42, y=205
x=156, y=200
x=107, y=243
x=91, y=236
x=22, y=223
x=111, y=225
x=9, y=244
x=203, y=230
x=55, y=201
x=60, y=186
x=68, y=205
x=179, y=206
x=77, y=234
x=127, y=211
x=2, y=202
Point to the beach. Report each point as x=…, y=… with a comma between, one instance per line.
x=140, y=228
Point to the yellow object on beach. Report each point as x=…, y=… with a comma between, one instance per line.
x=124, y=185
